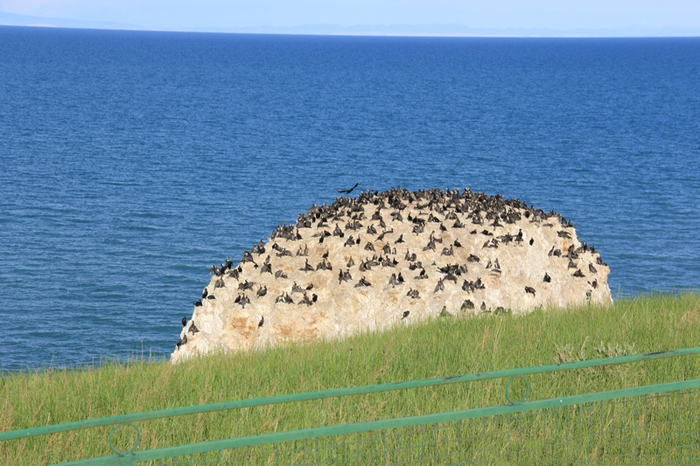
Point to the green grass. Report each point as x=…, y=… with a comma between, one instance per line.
x=446, y=346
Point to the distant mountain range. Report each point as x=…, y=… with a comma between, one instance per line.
x=461, y=30
x=12, y=19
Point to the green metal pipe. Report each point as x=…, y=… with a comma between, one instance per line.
x=126, y=418
x=305, y=434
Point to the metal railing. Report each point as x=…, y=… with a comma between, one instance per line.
x=654, y=424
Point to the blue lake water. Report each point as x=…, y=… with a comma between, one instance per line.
x=130, y=162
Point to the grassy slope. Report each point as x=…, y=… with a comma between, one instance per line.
x=445, y=346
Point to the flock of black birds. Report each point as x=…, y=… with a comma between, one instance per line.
x=365, y=220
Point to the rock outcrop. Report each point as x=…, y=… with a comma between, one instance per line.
x=395, y=257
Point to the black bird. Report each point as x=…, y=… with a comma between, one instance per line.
x=529, y=289
x=363, y=282
x=305, y=300
x=495, y=267
x=267, y=266
x=348, y=191
x=182, y=341
x=547, y=278
x=366, y=265
x=284, y=298
x=226, y=265
x=384, y=233
x=591, y=268
x=242, y=299
x=324, y=265
x=296, y=288
x=392, y=280
x=257, y=249
x=245, y=285
x=307, y=267
x=262, y=321
x=344, y=276
x=440, y=286
x=184, y=321
x=405, y=314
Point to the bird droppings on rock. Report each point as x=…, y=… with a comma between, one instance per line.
x=373, y=260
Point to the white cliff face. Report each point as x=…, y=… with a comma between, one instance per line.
x=372, y=262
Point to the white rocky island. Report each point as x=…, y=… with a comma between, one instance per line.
x=381, y=259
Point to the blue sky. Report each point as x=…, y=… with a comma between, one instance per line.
x=558, y=15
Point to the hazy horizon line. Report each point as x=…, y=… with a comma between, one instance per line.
x=367, y=30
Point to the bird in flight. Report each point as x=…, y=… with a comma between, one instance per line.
x=348, y=191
